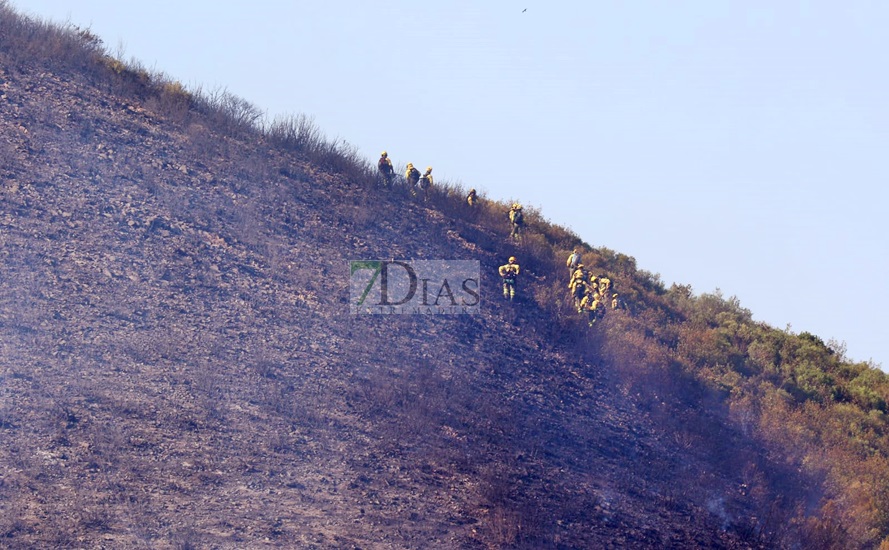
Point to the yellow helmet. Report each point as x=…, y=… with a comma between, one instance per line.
x=471, y=191
x=410, y=165
x=383, y=154
x=614, y=295
x=428, y=168
x=512, y=259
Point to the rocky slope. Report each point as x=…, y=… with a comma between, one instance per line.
x=179, y=369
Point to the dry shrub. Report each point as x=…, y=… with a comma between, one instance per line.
x=31, y=40
x=300, y=134
x=227, y=113
x=171, y=101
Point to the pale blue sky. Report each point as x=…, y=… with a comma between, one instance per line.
x=738, y=145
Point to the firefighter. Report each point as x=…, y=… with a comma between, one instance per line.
x=472, y=198
x=614, y=302
x=517, y=219
x=412, y=175
x=578, y=286
x=426, y=183
x=604, y=286
x=573, y=261
x=593, y=308
x=385, y=167
x=509, y=272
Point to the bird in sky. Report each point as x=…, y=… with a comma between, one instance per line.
x=524, y=10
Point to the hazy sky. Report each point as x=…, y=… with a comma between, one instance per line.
x=740, y=145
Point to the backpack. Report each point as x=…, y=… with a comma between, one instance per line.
x=573, y=260
x=579, y=289
x=515, y=216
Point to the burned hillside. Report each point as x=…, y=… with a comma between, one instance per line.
x=179, y=366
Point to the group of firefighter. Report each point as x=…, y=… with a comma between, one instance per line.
x=589, y=292
x=416, y=182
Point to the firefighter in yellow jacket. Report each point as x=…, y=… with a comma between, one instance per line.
x=594, y=283
x=412, y=175
x=573, y=261
x=384, y=165
x=472, y=198
x=509, y=272
x=578, y=286
x=592, y=306
x=604, y=286
x=517, y=219
x=426, y=182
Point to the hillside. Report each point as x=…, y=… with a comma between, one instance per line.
x=179, y=367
